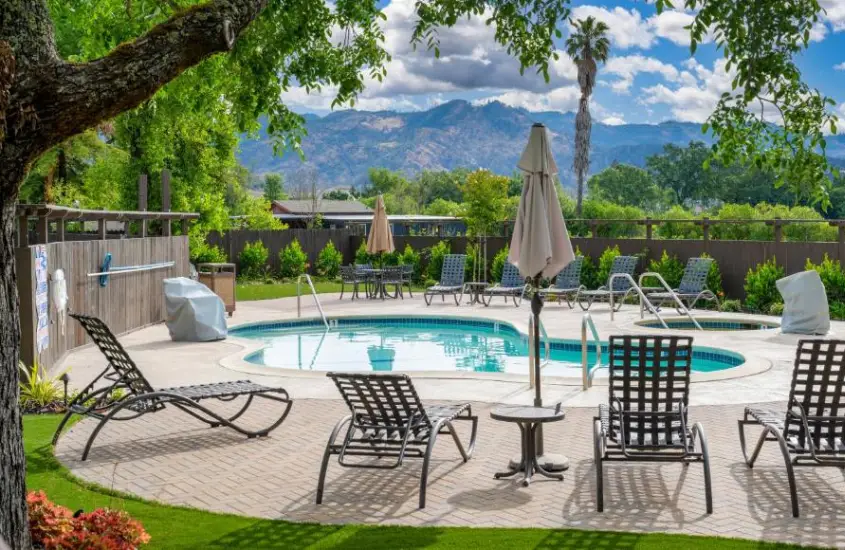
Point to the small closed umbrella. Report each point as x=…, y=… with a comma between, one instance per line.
x=380, y=239
x=540, y=245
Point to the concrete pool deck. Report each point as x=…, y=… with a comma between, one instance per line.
x=172, y=458
x=765, y=376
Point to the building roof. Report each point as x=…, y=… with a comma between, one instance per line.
x=323, y=207
x=367, y=218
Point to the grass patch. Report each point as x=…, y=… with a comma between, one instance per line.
x=184, y=528
x=269, y=291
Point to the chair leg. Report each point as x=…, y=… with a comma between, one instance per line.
x=598, y=438
x=342, y=286
x=784, y=449
x=324, y=465
x=698, y=430
x=424, y=475
x=427, y=298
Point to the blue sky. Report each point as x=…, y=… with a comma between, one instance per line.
x=649, y=78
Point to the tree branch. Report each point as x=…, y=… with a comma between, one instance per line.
x=75, y=97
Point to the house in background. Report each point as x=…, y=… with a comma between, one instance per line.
x=297, y=213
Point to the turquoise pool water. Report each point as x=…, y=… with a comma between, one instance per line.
x=424, y=344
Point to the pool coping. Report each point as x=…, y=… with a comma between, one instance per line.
x=236, y=361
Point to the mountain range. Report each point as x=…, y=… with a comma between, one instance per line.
x=341, y=146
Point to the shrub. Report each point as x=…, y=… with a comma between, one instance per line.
x=760, y=289
x=362, y=256
x=837, y=310
x=410, y=257
x=731, y=306
x=601, y=210
x=253, y=260
x=714, y=277
x=329, y=261
x=830, y=272
x=589, y=271
x=201, y=252
x=292, y=260
x=37, y=390
x=605, y=264
x=776, y=309
x=669, y=267
x=678, y=230
x=53, y=527
x=435, y=259
x=498, y=265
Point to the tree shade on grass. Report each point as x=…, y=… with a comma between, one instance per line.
x=185, y=528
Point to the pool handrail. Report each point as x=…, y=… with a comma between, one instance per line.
x=313, y=293
x=643, y=299
x=678, y=302
x=587, y=372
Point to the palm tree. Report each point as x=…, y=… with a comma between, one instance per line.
x=587, y=45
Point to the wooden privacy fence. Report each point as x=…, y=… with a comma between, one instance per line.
x=128, y=301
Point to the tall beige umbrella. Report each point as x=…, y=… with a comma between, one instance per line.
x=540, y=246
x=380, y=239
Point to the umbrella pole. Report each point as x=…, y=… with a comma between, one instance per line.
x=536, y=308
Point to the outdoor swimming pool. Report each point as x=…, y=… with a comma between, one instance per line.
x=712, y=324
x=419, y=343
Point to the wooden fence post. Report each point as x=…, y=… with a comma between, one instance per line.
x=23, y=231
x=142, y=201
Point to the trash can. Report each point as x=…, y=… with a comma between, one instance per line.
x=220, y=278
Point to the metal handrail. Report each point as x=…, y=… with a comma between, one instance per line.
x=314, y=293
x=543, y=335
x=588, y=372
x=678, y=302
x=636, y=288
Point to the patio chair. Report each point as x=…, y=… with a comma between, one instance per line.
x=351, y=275
x=392, y=275
x=646, y=417
x=693, y=286
x=451, y=280
x=139, y=397
x=512, y=286
x=567, y=283
x=388, y=420
x=621, y=287
x=811, y=432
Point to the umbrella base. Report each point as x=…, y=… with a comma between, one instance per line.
x=549, y=461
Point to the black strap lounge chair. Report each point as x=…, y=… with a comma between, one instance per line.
x=392, y=275
x=451, y=280
x=646, y=418
x=621, y=286
x=567, y=283
x=353, y=276
x=693, y=286
x=139, y=397
x=388, y=420
x=811, y=432
x=408, y=277
x=512, y=286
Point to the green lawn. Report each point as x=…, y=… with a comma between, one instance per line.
x=269, y=291
x=172, y=527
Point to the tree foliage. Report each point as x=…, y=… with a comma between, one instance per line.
x=627, y=185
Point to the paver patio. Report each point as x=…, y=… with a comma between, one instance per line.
x=171, y=458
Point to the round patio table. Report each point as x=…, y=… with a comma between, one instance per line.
x=373, y=275
x=528, y=419
x=475, y=290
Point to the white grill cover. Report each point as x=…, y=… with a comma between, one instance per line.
x=194, y=313
x=805, y=309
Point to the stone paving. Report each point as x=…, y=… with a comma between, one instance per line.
x=170, y=457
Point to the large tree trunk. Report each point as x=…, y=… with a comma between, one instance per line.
x=45, y=100
x=13, y=519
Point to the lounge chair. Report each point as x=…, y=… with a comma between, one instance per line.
x=693, y=286
x=621, y=287
x=388, y=420
x=567, y=283
x=451, y=280
x=811, y=432
x=646, y=417
x=392, y=275
x=512, y=286
x=139, y=397
x=351, y=275
x=407, y=278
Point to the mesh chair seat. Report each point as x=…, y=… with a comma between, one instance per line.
x=452, y=276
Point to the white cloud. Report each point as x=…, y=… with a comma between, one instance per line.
x=692, y=102
x=614, y=120
x=627, y=67
x=835, y=15
x=670, y=25
x=818, y=32
x=840, y=67
x=628, y=29
x=559, y=99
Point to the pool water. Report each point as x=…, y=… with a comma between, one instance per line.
x=712, y=324
x=410, y=344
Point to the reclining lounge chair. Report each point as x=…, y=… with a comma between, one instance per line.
x=451, y=280
x=512, y=286
x=140, y=398
x=621, y=287
x=388, y=420
x=646, y=417
x=567, y=283
x=811, y=432
x=693, y=286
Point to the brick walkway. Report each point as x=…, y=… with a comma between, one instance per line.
x=171, y=458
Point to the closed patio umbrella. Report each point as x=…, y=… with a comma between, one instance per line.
x=380, y=239
x=540, y=246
